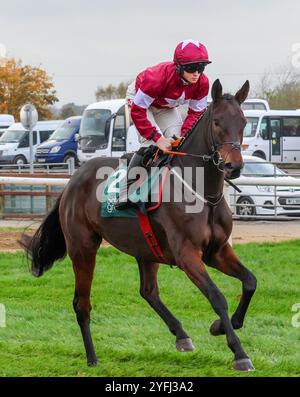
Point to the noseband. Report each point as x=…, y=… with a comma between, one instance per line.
x=217, y=158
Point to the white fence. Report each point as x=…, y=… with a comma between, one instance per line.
x=50, y=168
x=268, y=198
x=27, y=181
x=269, y=202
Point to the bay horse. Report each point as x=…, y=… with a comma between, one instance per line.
x=188, y=241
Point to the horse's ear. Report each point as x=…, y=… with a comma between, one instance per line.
x=216, y=91
x=242, y=94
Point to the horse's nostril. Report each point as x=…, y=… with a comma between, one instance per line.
x=233, y=172
x=233, y=166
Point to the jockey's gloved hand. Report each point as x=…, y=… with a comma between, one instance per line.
x=164, y=143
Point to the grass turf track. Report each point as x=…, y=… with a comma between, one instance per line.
x=42, y=337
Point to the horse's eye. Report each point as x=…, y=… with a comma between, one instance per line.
x=216, y=122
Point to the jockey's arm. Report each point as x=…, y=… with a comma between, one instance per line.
x=145, y=96
x=139, y=117
x=144, y=126
x=197, y=106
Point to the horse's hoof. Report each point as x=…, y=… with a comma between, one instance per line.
x=185, y=345
x=93, y=363
x=216, y=328
x=244, y=365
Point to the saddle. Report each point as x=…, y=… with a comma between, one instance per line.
x=154, y=157
x=148, y=192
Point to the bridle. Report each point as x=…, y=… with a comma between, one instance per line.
x=215, y=155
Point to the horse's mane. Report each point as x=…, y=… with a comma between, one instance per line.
x=206, y=114
x=226, y=97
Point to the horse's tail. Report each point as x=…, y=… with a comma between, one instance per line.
x=47, y=244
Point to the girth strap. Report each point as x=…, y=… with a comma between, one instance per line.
x=150, y=237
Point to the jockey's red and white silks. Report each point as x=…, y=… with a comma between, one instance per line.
x=161, y=86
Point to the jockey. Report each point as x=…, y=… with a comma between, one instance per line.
x=154, y=96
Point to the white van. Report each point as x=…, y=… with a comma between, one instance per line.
x=255, y=104
x=14, y=143
x=106, y=131
x=6, y=120
x=273, y=135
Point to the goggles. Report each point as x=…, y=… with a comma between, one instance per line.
x=194, y=67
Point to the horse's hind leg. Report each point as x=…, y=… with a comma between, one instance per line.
x=150, y=292
x=227, y=262
x=83, y=256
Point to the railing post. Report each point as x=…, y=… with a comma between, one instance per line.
x=48, y=199
x=71, y=165
x=275, y=193
x=1, y=199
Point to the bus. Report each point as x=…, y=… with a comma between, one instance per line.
x=106, y=131
x=272, y=135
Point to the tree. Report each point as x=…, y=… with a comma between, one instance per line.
x=22, y=84
x=281, y=89
x=111, y=91
x=70, y=109
x=67, y=111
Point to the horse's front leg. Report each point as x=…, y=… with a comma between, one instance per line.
x=227, y=262
x=150, y=292
x=190, y=261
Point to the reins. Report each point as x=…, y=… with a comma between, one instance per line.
x=215, y=156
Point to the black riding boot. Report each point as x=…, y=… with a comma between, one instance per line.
x=123, y=201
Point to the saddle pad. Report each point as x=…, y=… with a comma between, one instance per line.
x=139, y=195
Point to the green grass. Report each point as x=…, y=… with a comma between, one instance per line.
x=16, y=228
x=42, y=337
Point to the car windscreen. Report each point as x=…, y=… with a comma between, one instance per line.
x=11, y=136
x=93, y=128
x=63, y=132
x=251, y=126
x=261, y=169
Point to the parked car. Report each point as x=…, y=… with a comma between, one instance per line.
x=14, y=143
x=61, y=145
x=261, y=200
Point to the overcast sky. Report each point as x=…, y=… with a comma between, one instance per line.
x=86, y=43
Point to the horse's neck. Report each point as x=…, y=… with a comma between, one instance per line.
x=199, y=144
x=213, y=181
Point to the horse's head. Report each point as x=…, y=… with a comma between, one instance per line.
x=228, y=123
